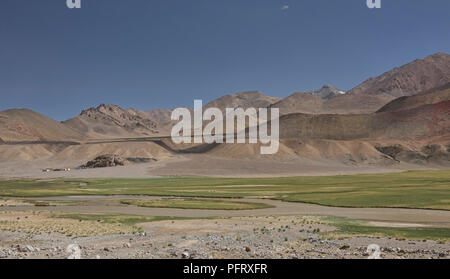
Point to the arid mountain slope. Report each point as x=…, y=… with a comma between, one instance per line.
x=403, y=115
x=243, y=100
x=410, y=79
x=299, y=103
x=123, y=149
x=161, y=117
x=27, y=125
x=418, y=76
x=428, y=120
x=414, y=129
x=110, y=121
x=432, y=96
x=249, y=99
x=308, y=102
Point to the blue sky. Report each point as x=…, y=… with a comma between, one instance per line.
x=149, y=54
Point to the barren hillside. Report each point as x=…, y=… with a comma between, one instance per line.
x=111, y=121
x=26, y=125
x=408, y=80
x=432, y=96
x=243, y=100
x=418, y=76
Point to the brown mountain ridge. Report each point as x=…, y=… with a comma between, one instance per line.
x=406, y=110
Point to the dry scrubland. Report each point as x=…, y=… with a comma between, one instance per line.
x=241, y=237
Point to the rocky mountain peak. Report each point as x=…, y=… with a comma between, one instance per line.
x=326, y=92
x=112, y=115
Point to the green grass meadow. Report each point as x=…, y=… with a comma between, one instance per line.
x=411, y=189
x=348, y=228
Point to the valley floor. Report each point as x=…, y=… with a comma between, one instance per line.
x=200, y=165
x=114, y=205
x=406, y=214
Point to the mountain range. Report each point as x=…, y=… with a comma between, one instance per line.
x=407, y=107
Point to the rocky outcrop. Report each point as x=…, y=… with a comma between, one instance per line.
x=105, y=161
x=434, y=154
x=110, y=160
x=113, y=121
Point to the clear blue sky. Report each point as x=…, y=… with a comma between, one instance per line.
x=150, y=54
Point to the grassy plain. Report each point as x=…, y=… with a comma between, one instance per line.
x=411, y=189
x=351, y=228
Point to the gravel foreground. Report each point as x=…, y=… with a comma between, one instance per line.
x=287, y=237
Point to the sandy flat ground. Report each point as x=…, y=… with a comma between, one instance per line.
x=212, y=166
x=196, y=165
x=34, y=170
